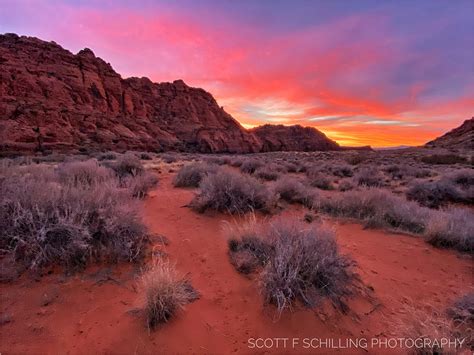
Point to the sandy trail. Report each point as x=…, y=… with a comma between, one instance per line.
x=95, y=312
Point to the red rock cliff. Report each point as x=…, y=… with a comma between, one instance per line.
x=53, y=99
x=80, y=101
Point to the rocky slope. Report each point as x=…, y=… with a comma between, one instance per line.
x=293, y=138
x=53, y=99
x=80, y=101
x=461, y=137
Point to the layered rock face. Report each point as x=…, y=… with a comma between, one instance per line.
x=62, y=100
x=461, y=137
x=293, y=138
x=51, y=99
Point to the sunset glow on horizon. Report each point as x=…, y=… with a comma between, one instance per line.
x=363, y=72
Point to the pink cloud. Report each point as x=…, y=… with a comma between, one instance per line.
x=333, y=70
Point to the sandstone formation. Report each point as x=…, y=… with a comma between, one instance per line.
x=293, y=138
x=51, y=99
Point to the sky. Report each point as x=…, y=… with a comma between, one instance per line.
x=380, y=73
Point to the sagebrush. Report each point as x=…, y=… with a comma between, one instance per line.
x=297, y=262
x=71, y=215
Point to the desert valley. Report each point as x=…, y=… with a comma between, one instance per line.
x=141, y=218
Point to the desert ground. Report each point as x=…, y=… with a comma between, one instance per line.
x=272, y=253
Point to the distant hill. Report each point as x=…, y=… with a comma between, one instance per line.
x=293, y=138
x=461, y=137
x=51, y=98
x=398, y=147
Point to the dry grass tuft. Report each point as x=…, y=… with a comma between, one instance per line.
x=247, y=250
x=424, y=326
x=166, y=293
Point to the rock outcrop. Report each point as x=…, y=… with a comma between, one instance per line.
x=51, y=99
x=293, y=138
x=461, y=137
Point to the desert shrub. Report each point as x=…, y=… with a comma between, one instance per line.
x=292, y=167
x=232, y=192
x=9, y=270
x=218, y=160
x=444, y=159
x=453, y=228
x=396, y=172
x=369, y=177
x=191, y=175
x=434, y=194
x=236, y=162
x=463, y=178
x=299, y=262
x=462, y=315
x=463, y=309
x=53, y=217
x=249, y=165
x=346, y=185
x=249, y=253
x=421, y=173
x=310, y=217
x=341, y=170
x=140, y=185
x=166, y=293
x=267, y=172
x=302, y=168
x=380, y=208
x=128, y=164
x=356, y=159
x=320, y=180
x=306, y=265
x=377, y=208
x=293, y=190
x=16, y=161
x=168, y=158
x=145, y=156
x=80, y=173
x=317, y=178
x=107, y=156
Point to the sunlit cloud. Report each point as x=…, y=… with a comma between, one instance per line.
x=391, y=123
x=378, y=73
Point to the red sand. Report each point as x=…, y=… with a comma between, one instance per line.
x=92, y=312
